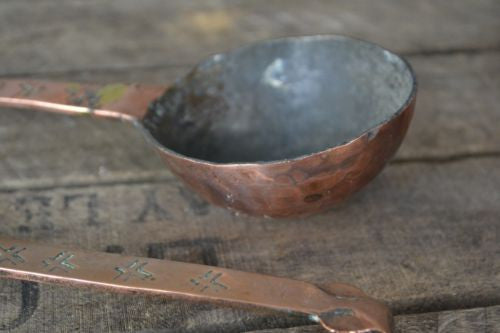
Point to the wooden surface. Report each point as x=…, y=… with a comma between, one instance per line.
x=472, y=320
x=424, y=236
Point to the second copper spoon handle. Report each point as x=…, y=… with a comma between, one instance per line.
x=340, y=309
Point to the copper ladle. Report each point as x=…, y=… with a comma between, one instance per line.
x=338, y=307
x=279, y=128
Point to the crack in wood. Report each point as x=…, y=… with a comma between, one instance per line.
x=446, y=159
x=157, y=66
x=451, y=51
x=156, y=180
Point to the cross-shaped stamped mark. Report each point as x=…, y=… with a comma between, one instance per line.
x=27, y=89
x=209, y=280
x=11, y=254
x=60, y=261
x=78, y=96
x=134, y=270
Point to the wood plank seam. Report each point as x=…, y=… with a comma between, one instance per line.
x=120, y=68
x=446, y=158
x=451, y=52
x=454, y=158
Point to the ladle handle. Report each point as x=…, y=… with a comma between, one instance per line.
x=339, y=308
x=128, y=102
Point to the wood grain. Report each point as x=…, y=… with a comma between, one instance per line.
x=459, y=321
x=457, y=109
x=60, y=35
x=457, y=114
x=424, y=236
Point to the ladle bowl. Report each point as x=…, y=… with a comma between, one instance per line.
x=279, y=128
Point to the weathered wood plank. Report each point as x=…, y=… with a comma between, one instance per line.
x=423, y=237
x=57, y=34
x=458, y=113
x=458, y=109
x=61, y=309
x=458, y=321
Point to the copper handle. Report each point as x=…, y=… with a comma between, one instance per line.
x=339, y=308
x=128, y=102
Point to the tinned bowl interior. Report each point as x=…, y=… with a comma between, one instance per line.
x=280, y=100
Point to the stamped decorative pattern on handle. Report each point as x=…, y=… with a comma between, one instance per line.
x=338, y=311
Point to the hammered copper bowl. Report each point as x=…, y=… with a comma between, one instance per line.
x=285, y=127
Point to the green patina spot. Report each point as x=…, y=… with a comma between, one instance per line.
x=111, y=93
x=73, y=87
